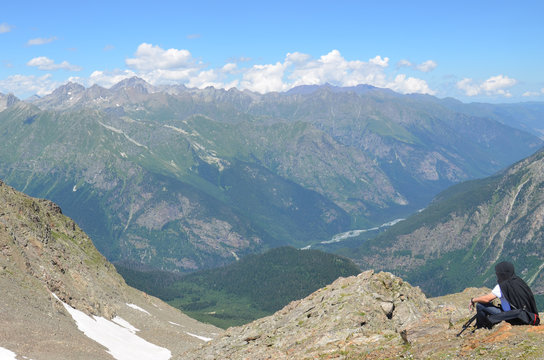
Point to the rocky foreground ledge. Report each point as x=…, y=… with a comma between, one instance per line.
x=372, y=316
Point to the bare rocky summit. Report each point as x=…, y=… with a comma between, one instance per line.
x=45, y=258
x=372, y=316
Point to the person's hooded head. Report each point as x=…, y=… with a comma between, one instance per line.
x=504, y=271
x=513, y=288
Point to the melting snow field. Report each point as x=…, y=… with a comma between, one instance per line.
x=5, y=354
x=118, y=337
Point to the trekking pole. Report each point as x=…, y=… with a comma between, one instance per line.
x=467, y=324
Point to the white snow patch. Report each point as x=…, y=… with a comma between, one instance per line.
x=121, y=342
x=124, y=155
x=120, y=321
x=136, y=307
x=173, y=323
x=5, y=354
x=203, y=338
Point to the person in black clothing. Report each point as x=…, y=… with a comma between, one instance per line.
x=518, y=304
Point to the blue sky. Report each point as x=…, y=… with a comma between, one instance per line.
x=475, y=51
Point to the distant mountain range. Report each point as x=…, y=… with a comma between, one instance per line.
x=181, y=179
x=457, y=240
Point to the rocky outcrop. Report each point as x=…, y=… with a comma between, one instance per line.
x=363, y=310
x=371, y=316
x=7, y=101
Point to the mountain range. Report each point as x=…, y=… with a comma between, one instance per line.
x=62, y=299
x=467, y=229
x=182, y=179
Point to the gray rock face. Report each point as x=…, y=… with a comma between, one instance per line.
x=365, y=309
x=7, y=101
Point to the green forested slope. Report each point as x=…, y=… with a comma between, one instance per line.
x=254, y=286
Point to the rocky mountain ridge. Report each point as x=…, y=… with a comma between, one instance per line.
x=183, y=179
x=372, y=316
x=55, y=284
x=59, y=294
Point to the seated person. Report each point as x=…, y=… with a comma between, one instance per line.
x=516, y=298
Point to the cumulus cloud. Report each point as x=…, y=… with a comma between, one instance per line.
x=264, y=78
x=109, y=78
x=379, y=61
x=404, y=63
x=44, y=63
x=159, y=66
x=29, y=84
x=495, y=85
x=41, y=41
x=301, y=69
x=5, y=28
x=409, y=85
x=218, y=78
x=149, y=57
x=172, y=66
x=425, y=66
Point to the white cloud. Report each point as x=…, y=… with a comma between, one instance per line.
x=229, y=68
x=213, y=78
x=329, y=68
x=5, y=28
x=409, y=85
x=469, y=87
x=29, y=84
x=44, y=63
x=264, y=78
x=149, y=57
x=404, y=63
x=425, y=66
x=173, y=66
x=301, y=69
x=297, y=58
x=109, y=78
x=495, y=85
x=41, y=41
x=379, y=61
